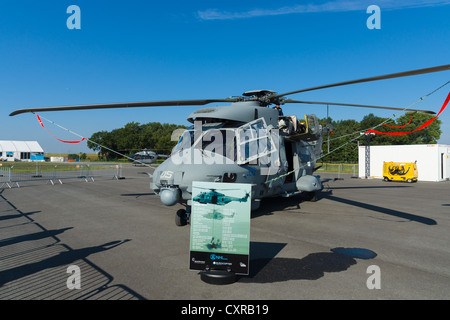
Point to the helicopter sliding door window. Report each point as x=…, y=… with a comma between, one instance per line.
x=253, y=142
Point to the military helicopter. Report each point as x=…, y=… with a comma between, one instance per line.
x=246, y=142
x=217, y=198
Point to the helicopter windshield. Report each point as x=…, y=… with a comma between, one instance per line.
x=243, y=145
x=222, y=142
x=186, y=141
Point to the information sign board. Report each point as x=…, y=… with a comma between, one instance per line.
x=220, y=227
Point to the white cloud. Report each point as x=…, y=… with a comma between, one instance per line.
x=331, y=6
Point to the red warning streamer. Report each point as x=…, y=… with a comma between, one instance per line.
x=420, y=128
x=398, y=127
x=40, y=121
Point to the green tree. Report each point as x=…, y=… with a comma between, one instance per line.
x=134, y=137
x=103, y=138
x=337, y=140
x=411, y=121
x=408, y=122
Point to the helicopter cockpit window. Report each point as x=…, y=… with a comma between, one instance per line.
x=253, y=142
x=219, y=141
x=186, y=141
x=246, y=144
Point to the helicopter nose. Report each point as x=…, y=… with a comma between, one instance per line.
x=170, y=196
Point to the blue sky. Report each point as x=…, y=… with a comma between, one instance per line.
x=135, y=50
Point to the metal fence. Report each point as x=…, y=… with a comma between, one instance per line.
x=15, y=174
x=339, y=168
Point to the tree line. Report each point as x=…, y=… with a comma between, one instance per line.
x=341, y=141
x=132, y=138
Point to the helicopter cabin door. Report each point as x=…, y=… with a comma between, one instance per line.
x=290, y=160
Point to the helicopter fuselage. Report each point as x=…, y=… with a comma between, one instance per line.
x=147, y=157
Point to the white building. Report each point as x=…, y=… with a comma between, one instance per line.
x=433, y=160
x=21, y=151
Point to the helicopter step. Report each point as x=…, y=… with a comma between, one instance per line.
x=308, y=196
x=290, y=194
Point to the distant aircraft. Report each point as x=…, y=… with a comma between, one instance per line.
x=146, y=157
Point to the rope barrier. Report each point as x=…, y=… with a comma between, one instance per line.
x=369, y=130
x=74, y=133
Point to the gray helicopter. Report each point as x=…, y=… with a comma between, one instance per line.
x=247, y=142
x=145, y=157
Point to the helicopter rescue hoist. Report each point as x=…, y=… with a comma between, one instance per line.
x=246, y=142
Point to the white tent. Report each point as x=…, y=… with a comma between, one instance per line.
x=21, y=150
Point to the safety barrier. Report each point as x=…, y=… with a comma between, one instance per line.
x=4, y=175
x=339, y=168
x=18, y=173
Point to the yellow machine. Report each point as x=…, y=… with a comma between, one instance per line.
x=400, y=171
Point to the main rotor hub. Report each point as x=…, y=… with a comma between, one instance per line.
x=258, y=93
x=265, y=97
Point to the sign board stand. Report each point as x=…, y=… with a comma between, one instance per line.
x=218, y=276
x=220, y=231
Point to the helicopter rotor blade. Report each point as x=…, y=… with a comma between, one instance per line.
x=382, y=77
x=126, y=105
x=207, y=101
x=356, y=105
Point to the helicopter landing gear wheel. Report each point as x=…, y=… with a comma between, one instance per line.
x=311, y=196
x=181, y=218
